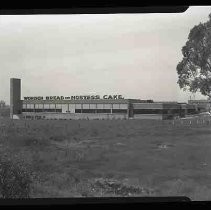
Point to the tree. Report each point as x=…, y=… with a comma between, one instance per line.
x=2, y=103
x=194, y=71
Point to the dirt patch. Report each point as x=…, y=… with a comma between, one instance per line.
x=116, y=187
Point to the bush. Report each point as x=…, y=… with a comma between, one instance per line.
x=14, y=180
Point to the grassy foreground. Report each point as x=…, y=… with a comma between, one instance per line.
x=111, y=158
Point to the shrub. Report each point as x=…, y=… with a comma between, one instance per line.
x=14, y=180
x=57, y=138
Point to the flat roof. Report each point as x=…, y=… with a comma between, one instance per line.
x=97, y=101
x=199, y=101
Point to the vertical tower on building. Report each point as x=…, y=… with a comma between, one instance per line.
x=15, y=97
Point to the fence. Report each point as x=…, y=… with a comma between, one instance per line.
x=192, y=121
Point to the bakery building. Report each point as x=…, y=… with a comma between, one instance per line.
x=90, y=107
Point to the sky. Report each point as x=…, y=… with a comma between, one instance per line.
x=134, y=55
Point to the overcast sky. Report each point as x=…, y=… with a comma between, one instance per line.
x=130, y=54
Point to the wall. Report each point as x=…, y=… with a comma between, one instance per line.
x=157, y=110
x=147, y=106
x=75, y=116
x=15, y=97
x=148, y=116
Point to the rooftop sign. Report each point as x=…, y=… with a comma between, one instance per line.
x=86, y=97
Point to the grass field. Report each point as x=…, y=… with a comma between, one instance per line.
x=112, y=158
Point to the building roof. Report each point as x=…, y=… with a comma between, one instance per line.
x=88, y=101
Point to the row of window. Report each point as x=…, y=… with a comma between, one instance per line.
x=135, y=111
x=75, y=106
x=191, y=111
x=79, y=110
x=41, y=110
x=34, y=117
x=101, y=111
x=156, y=111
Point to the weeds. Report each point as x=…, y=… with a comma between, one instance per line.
x=111, y=186
x=59, y=150
x=14, y=180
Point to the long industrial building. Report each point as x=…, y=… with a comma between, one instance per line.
x=91, y=107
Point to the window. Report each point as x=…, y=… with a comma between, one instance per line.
x=88, y=110
x=52, y=106
x=115, y=106
x=58, y=106
x=78, y=106
x=30, y=106
x=103, y=111
x=107, y=106
x=40, y=106
x=92, y=106
x=148, y=111
x=38, y=110
x=123, y=106
x=119, y=111
x=36, y=106
x=100, y=106
x=27, y=110
x=58, y=110
x=46, y=106
x=85, y=106
x=71, y=106
x=77, y=110
x=49, y=110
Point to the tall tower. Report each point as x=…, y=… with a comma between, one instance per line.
x=15, y=97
